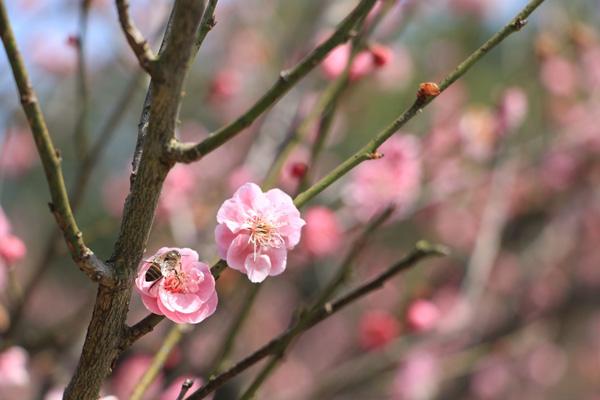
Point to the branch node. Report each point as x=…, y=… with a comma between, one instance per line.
x=284, y=75
x=519, y=23
x=375, y=155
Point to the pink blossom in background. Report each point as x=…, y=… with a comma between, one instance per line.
x=323, y=233
x=239, y=176
x=418, y=377
x=224, y=86
x=294, y=168
x=559, y=169
x=512, y=109
x=478, y=131
x=177, y=189
x=129, y=373
x=422, y=315
x=51, y=52
x=173, y=390
x=492, y=379
x=559, y=76
x=12, y=248
x=185, y=296
x=13, y=367
x=364, y=63
x=546, y=364
x=377, y=328
x=256, y=230
x=394, y=179
x=455, y=225
x=17, y=153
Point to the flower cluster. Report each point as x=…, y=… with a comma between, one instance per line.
x=255, y=232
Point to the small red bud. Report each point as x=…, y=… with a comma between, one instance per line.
x=298, y=169
x=428, y=89
x=381, y=55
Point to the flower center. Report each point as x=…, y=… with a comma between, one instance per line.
x=175, y=282
x=263, y=233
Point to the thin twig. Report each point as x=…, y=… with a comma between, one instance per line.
x=51, y=160
x=334, y=284
x=206, y=24
x=136, y=40
x=185, y=152
x=420, y=102
x=185, y=387
x=276, y=345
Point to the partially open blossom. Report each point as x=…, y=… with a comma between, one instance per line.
x=364, y=63
x=13, y=367
x=394, y=179
x=422, y=315
x=184, y=294
x=322, y=234
x=377, y=328
x=256, y=230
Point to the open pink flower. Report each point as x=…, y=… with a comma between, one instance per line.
x=184, y=293
x=13, y=367
x=256, y=230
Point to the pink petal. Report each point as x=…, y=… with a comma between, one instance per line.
x=257, y=269
x=223, y=238
x=180, y=302
x=278, y=260
x=238, y=252
x=231, y=214
x=151, y=304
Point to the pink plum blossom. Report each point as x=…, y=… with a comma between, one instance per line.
x=13, y=367
x=394, y=179
x=184, y=296
x=12, y=248
x=422, y=315
x=377, y=328
x=363, y=64
x=418, y=377
x=256, y=230
x=323, y=233
x=512, y=109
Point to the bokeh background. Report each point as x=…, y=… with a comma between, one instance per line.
x=503, y=168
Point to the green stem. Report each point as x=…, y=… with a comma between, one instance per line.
x=421, y=102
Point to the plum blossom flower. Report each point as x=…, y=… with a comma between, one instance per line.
x=323, y=233
x=13, y=367
x=394, y=179
x=12, y=248
x=185, y=294
x=378, y=328
x=422, y=315
x=256, y=230
x=363, y=64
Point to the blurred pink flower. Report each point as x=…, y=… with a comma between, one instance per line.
x=184, y=296
x=171, y=392
x=422, y=315
x=239, y=176
x=559, y=169
x=394, y=179
x=546, y=364
x=478, y=132
x=323, y=233
x=225, y=85
x=12, y=248
x=17, y=153
x=418, y=377
x=512, y=109
x=377, y=328
x=491, y=380
x=13, y=367
x=256, y=230
x=51, y=52
x=364, y=63
x=128, y=374
x=559, y=76
x=177, y=189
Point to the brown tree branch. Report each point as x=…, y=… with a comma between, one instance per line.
x=107, y=328
x=188, y=152
x=279, y=344
x=51, y=160
x=139, y=45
